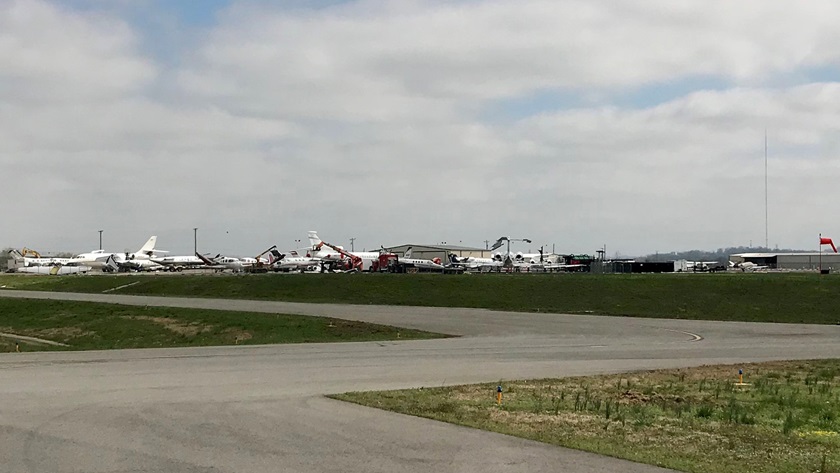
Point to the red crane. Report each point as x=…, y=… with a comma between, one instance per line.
x=355, y=262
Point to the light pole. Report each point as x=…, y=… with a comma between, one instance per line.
x=195, y=239
x=297, y=245
x=352, y=241
x=100, y=239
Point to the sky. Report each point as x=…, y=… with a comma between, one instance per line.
x=639, y=125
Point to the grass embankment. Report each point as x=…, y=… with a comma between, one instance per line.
x=802, y=298
x=694, y=420
x=91, y=326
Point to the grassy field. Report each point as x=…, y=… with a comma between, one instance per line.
x=90, y=326
x=786, y=420
x=804, y=298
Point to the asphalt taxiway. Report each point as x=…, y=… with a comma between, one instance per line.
x=261, y=408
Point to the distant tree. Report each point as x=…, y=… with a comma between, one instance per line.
x=721, y=255
x=4, y=259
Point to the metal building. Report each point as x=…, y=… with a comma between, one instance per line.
x=790, y=260
x=439, y=251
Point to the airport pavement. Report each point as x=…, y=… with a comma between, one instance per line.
x=261, y=408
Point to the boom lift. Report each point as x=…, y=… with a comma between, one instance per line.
x=355, y=261
x=29, y=252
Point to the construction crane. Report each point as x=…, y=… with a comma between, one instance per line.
x=355, y=261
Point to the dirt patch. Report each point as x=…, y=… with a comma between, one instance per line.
x=238, y=335
x=63, y=334
x=176, y=326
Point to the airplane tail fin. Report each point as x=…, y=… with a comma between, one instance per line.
x=15, y=254
x=149, y=247
x=274, y=256
x=204, y=259
x=407, y=253
x=313, y=239
x=111, y=264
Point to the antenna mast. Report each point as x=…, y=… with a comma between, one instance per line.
x=766, y=213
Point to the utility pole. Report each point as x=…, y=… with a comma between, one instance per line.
x=100, y=239
x=352, y=240
x=486, y=244
x=195, y=239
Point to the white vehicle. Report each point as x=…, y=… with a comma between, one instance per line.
x=326, y=254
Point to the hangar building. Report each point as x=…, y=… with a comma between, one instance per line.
x=439, y=251
x=789, y=260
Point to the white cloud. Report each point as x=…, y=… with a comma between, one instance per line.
x=369, y=120
x=51, y=55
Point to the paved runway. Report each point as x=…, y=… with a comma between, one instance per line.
x=261, y=409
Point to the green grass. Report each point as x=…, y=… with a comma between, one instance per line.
x=802, y=298
x=693, y=420
x=91, y=326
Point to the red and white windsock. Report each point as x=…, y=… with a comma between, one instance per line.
x=827, y=241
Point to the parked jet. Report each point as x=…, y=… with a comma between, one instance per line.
x=293, y=261
x=221, y=263
x=98, y=258
x=56, y=270
x=419, y=263
x=328, y=253
x=22, y=260
x=178, y=263
x=474, y=263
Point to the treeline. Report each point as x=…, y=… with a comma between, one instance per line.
x=721, y=255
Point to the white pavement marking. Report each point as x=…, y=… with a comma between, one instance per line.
x=120, y=287
x=24, y=338
x=694, y=336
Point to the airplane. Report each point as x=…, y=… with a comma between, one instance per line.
x=331, y=253
x=56, y=270
x=292, y=262
x=746, y=266
x=178, y=263
x=347, y=261
x=474, y=263
x=432, y=264
x=221, y=263
x=533, y=258
x=36, y=259
x=137, y=260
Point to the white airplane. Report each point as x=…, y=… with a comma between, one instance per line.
x=178, y=263
x=57, y=270
x=746, y=266
x=221, y=263
x=434, y=264
x=535, y=258
x=474, y=262
x=98, y=258
x=326, y=253
x=22, y=260
x=293, y=261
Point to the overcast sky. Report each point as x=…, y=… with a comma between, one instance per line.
x=635, y=124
